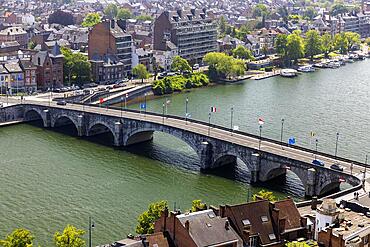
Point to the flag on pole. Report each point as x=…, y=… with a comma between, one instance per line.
x=168, y=101
x=312, y=134
x=291, y=141
x=213, y=109
x=126, y=95
x=261, y=121
x=342, y=180
x=101, y=100
x=236, y=127
x=142, y=106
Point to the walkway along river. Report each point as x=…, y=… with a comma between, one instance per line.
x=49, y=179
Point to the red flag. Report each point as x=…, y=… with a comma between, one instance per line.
x=101, y=100
x=261, y=121
x=341, y=180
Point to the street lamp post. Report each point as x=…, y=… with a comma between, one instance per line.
x=163, y=105
x=186, y=110
x=121, y=105
x=91, y=225
x=126, y=100
x=365, y=165
x=317, y=142
x=259, y=143
x=231, y=119
x=282, y=132
x=209, y=123
x=145, y=102
x=336, y=145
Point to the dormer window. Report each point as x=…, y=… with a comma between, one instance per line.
x=246, y=222
x=264, y=218
x=272, y=237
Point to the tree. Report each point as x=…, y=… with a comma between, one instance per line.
x=76, y=67
x=147, y=218
x=144, y=18
x=312, y=44
x=223, y=66
x=123, y=14
x=111, y=11
x=31, y=45
x=268, y=195
x=222, y=25
x=326, y=44
x=341, y=43
x=310, y=13
x=338, y=9
x=242, y=52
x=259, y=10
x=295, y=46
x=18, y=238
x=265, y=50
x=180, y=64
x=353, y=39
x=91, y=20
x=140, y=72
x=281, y=44
x=198, y=205
x=71, y=237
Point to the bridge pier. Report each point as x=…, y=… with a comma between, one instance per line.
x=81, y=130
x=206, y=154
x=310, y=186
x=118, y=136
x=256, y=163
x=47, y=118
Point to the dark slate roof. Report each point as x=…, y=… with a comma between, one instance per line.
x=55, y=51
x=186, y=15
x=207, y=229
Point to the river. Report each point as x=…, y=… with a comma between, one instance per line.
x=49, y=179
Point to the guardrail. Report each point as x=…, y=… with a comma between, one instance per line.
x=236, y=132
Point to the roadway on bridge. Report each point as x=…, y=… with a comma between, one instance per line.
x=203, y=129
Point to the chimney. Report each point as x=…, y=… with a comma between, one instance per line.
x=314, y=203
x=282, y=225
x=227, y=225
x=222, y=211
x=187, y=225
x=112, y=24
x=246, y=235
x=165, y=215
x=179, y=12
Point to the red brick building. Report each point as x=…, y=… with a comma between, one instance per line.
x=49, y=73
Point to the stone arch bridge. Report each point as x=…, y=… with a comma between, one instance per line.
x=214, y=145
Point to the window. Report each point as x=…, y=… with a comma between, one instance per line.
x=211, y=215
x=272, y=237
x=246, y=222
x=209, y=225
x=264, y=218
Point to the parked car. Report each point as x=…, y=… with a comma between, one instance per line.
x=195, y=66
x=318, y=162
x=337, y=167
x=61, y=102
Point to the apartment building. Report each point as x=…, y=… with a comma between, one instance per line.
x=107, y=39
x=14, y=34
x=192, y=31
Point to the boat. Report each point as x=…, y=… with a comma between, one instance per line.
x=319, y=65
x=288, y=72
x=306, y=68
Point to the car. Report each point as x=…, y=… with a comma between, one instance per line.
x=318, y=162
x=1, y=104
x=61, y=102
x=116, y=86
x=337, y=167
x=195, y=66
x=125, y=80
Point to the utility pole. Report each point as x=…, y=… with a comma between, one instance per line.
x=259, y=143
x=336, y=145
x=281, y=132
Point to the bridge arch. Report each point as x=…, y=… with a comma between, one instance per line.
x=33, y=114
x=63, y=119
x=328, y=185
x=146, y=134
x=229, y=157
x=101, y=127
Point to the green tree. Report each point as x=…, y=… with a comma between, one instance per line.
x=123, y=14
x=341, y=42
x=339, y=8
x=180, y=64
x=326, y=44
x=223, y=66
x=310, y=13
x=353, y=39
x=91, y=19
x=76, y=67
x=281, y=44
x=222, y=25
x=147, y=218
x=312, y=44
x=18, y=238
x=268, y=195
x=295, y=46
x=259, y=10
x=31, y=45
x=70, y=237
x=111, y=11
x=242, y=52
x=144, y=18
x=198, y=205
x=140, y=72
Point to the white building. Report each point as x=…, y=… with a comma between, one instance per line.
x=326, y=214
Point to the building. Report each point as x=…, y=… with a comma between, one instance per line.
x=14, y=34
x=163, y=58
x=49, y=72
x=107, y=68
x=109, y=39
x=15, y=78
x=350, y=226
x=326, y=214
x=192, y=31
x=262, y=223
x=29, y=69
x=198, y=229
x=142, y=56
x=4, y=78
